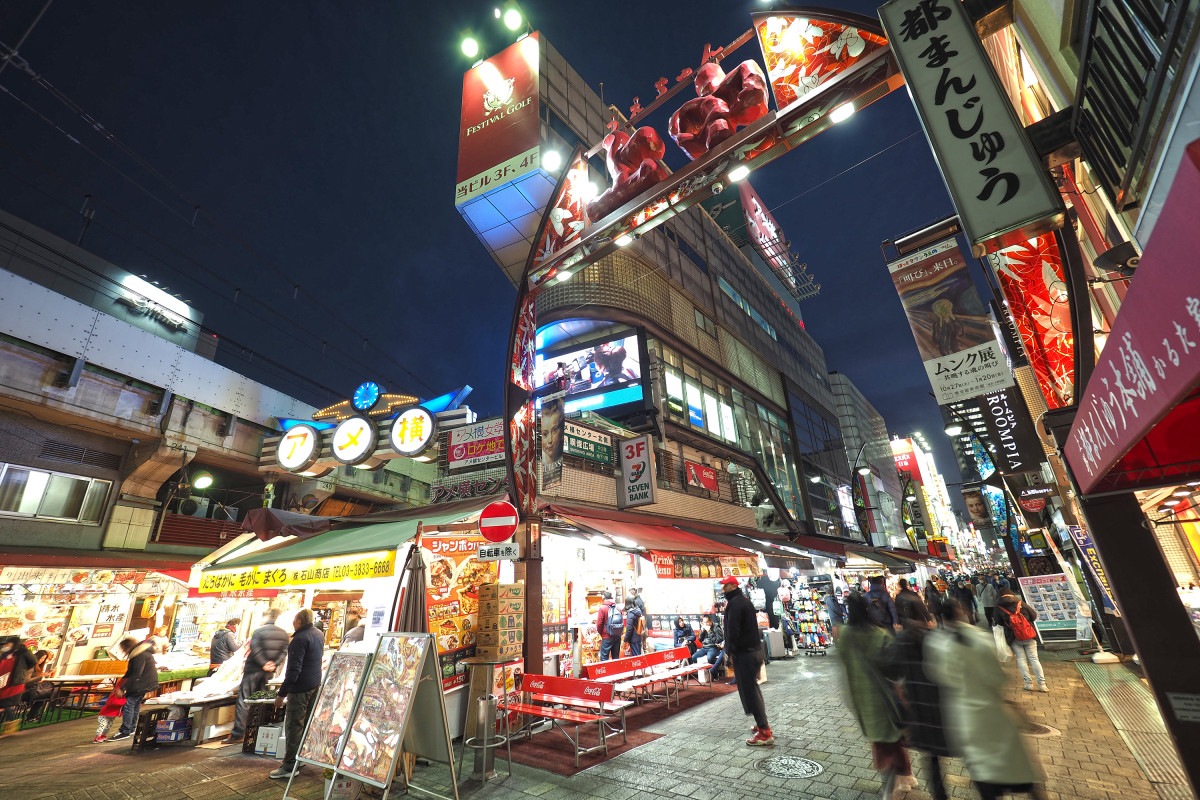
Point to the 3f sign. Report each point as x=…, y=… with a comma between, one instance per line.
x=635, y=449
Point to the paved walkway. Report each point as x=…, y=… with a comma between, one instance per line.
x=701, y=756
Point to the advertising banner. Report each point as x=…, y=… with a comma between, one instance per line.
x=1018, y=448
x=977, y=509
x=1031, y=277
x=999, y=186
x=552, y=441
x=763, y=231
x=300, y=573
x=498, y=132
x=950, y=323
x=81, y=579
x=637, y=484
x=705, y=567
x=701, y=476
x=906, y=459
x=330, y=720
x=453, y=576
x=1083, y=540
x=474, y=445
x=587, y=443
x=1051, y=597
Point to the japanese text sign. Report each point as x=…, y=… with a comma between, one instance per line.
x=299, y=573
x=508, y=551
x=950, y=323
x=587, y=443
x=472, y=445
x=1152, y=358
x=1000, y=188
x=1083, y=540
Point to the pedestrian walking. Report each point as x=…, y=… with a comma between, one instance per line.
x=224, y=645
x=301, y=681
x=933, y=601
x=17, y=666
x=268, y=643
x=113, y=707
x=1017, y=620
x=833, y=609
x=141, y=678
x=910, y=607
x=743, y=644
x=635, y=626
x=610, y=624
x=920, y=700
x=987, y=598
x=863, y=647
x=881, y=609
x=980, y=724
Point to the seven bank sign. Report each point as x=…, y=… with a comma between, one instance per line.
x=637, y=484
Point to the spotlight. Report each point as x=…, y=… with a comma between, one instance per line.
x=738, y=173
x=552, y=160
x=623, y=240
x=512, y=19
x=954, y=429
x=864, y=470
x=842, y=113
x=202, y=480
x=470, y=47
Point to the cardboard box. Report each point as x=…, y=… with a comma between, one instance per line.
x=172, y=724
x=270, y=741
x=491, y=608
x=499, y=638
x=222, y=715
x=175, y=735
x=491, y=652
x=498, y=622
x=502, y=591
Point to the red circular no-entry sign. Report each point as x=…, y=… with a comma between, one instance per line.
x=498, y=521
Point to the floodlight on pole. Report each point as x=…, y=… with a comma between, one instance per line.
x=202, y=480
x=512, y=19
x=470, y=46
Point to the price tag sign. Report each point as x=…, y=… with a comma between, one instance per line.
x=509, y=551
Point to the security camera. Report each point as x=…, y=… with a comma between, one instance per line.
x=718, y=187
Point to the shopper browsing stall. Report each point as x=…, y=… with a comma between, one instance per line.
x=635, y=627
x=610, y=624
x=224, y=645
x=268, y=643
x=300, y=684
x=141, y=678
x=743, y=643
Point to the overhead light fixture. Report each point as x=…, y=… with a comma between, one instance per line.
x=1172, y=501
x=910, y=497
x=1193, y=483
x=738, y=173
x=1182, y=491
x=600, y=538
x=623, y=240
x=202, y=480
x=552, y=160
x=621, y=540
x=954, y=429
x=864, y=470
x=1165, y=508
x=499, y=13
x=842, y=113
x=814, y=478
x=470, y=47
x=588, y=191
x=563, y=276
x=512, y=19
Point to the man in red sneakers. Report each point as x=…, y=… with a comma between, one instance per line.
x=743, y=645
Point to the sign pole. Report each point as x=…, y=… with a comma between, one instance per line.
x=529, y=570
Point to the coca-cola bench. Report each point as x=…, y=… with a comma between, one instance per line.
x=565, y=701
x=637, y=676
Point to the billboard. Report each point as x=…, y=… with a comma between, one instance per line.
x=950, y=323
x=1011, y=429
x=637, y=483
x=475, y=445
x=602, y=373
x=498, y=135
x=906, y=459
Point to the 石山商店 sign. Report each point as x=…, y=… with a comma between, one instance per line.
x=300, y=573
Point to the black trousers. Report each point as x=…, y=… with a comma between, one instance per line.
x=937, y=786
x=252, y=681
x=746, y=665
x=299, y=706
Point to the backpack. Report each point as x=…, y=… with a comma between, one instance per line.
x=877, y=612
x=640, y=629
x=614, y=625
x=1021, y=627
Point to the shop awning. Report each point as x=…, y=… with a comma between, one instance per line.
x=1137, y=419
x=662, y=538
x=892, y=562
x=777, y=554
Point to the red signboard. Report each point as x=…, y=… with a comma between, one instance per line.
x=1031, y=276
x=1151, y=361
x=498, y=133
x=700, y=476
x=498, y=521
x=194, y=591
x=906, y=459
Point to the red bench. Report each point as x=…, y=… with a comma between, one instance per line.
x=568, y=701
x=638, y=675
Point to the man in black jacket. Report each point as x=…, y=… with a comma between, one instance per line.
x=224, y=645
x=141, y=678
x=268, y=643
x=300, y=684
x=743, y=645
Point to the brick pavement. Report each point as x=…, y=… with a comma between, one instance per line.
x=700, y=756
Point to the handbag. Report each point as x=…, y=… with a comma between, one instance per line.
x=1003, y=651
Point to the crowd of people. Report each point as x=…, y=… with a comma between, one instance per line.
x=922, y=671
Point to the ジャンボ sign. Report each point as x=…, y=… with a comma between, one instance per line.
x=637, y=484
x=498, y=137
x=1000, y=188
x=472, y=445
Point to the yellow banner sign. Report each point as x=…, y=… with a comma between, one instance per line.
x=300, y=573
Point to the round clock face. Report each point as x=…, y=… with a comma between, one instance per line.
x=366, y=396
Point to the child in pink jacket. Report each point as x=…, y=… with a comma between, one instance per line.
x=111, y=712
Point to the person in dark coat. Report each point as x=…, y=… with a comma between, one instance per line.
x=141, y=679
x=684, y=634
x=224, y=645
x=634, y=628
x=301, y=681
x=18, y=665
x=881, y=609
x=934, y=602
x=909, y=606
x=712, y=643
x=921, y=700
x=743, y=644
x=268, y=643
x=355, y=630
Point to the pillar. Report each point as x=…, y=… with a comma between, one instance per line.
x=529, y=571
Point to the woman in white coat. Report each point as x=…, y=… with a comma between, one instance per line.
x=962, y=660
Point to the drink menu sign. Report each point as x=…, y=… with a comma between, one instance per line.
x=453, y=576
x=704, y=567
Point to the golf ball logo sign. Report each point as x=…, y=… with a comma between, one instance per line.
x=412, y=431
x=353, y=440
x=298, y=448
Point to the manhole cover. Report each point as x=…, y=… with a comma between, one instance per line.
x=789, y=767
x=1036, y=729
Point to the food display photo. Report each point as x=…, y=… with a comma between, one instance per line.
x=335, y=702
x=453, y=580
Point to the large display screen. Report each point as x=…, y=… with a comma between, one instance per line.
x=600, y=374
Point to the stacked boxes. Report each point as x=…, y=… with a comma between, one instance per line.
x=173, y=730
x=500, y=632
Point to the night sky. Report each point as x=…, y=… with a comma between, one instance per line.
x=320, y=141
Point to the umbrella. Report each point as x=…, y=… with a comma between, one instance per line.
x=413, y=617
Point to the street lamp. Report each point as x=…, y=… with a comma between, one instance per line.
x=470, y=46
x=203, y=480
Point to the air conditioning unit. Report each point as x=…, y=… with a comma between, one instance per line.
x=194, y=506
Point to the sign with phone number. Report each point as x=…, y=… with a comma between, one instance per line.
x=321, y=570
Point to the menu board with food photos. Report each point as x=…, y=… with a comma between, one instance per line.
x=453, y=576
x=395, y=683
x=330, y=719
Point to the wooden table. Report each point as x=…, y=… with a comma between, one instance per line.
x=78, y=688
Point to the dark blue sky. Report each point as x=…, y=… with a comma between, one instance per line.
x=324, y=137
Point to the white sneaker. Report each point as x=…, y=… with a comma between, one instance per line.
x=1044, y=688
x=283, y=773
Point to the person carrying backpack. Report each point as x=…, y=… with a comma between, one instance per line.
x=881, y=610
x=610, y=624
x=1017, y=620
x=635, y=626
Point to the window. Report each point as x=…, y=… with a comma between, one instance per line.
x=51, y=495
x=685, y=247
x=744, y=306
x=705, y=324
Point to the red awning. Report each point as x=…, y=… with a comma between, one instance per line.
x=1137, y=420
x=664, y=538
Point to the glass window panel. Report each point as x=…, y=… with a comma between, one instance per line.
x=64, y=497
x=93, y=504
x=728, y=427
x=674, y=393
x=712, y=413
x=695, y=405
x=21, y=490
